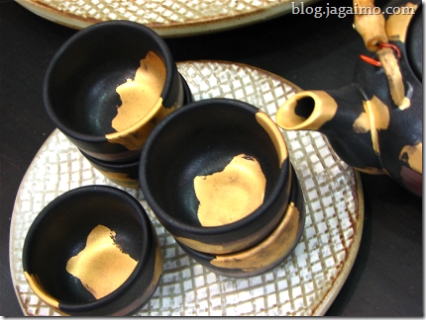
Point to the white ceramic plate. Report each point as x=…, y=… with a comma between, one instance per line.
x=168, y=18
x=304, y=284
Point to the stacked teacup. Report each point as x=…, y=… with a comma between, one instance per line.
x=218, y=177
x=106, y=89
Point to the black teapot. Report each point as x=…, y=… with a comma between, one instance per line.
x=374, y=124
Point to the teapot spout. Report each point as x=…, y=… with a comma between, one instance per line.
x=341, y=116
x=306, y=110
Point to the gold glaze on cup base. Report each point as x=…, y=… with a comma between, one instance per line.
x=268, y=253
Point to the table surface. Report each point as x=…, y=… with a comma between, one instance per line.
x=387, y=276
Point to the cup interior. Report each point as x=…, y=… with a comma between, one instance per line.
x=100, y=69
x=76, y=236
x=199, y=141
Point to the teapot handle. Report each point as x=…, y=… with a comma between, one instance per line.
x=372, y=28
x=369, y=25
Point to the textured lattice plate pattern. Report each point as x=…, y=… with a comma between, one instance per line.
x=304, y=284
x=168, y=18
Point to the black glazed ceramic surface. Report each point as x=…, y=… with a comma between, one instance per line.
x=187, y=94
x=368, y=127
x=109, y=85
x=265, y=255
x=217, y=175
x=126, y=173
x=93, y=252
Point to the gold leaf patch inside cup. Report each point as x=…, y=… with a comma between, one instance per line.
x=141, y=94
x=231, y=194
x=101, y=266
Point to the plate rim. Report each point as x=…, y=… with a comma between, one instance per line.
x=353, y=253
x=196, y=27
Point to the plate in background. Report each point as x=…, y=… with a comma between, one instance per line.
x=170, y=18
x=306, y=283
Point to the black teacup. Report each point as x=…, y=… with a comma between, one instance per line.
x=109, y=85
x=217, y=175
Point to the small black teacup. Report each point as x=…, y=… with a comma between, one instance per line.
x=217, y=175
x=109, y=85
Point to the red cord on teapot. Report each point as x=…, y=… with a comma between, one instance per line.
x=377, y=63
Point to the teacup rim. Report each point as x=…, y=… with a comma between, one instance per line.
x=285, y=173
x=169, y=62
x=146, y=226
